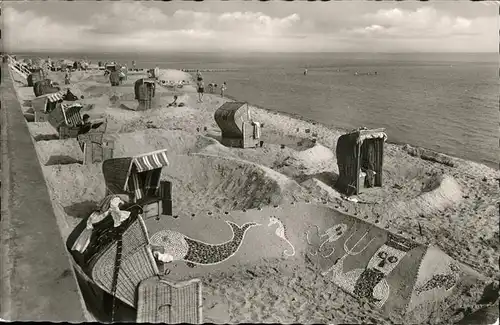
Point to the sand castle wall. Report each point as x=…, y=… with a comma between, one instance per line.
x=37, y=279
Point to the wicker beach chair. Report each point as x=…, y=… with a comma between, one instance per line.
x=144, y=90
x=92, y=143
x=360, y=157
x=122, y=266
x=66, y=120
x=139, y=178
x=238, y=130
x=44, y=105
x=36, y=75
x=120, y=262
x=161, y=301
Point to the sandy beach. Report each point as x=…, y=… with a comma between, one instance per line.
x=446, y=202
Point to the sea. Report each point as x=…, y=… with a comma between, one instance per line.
x=448, y=102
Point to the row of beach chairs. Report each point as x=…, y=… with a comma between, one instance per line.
x=136, y=281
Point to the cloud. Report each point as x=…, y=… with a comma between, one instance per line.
x=424, y=22
x=25, y=30
x=133, y=26
x=126, y=18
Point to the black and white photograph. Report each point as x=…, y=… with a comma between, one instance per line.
x=226, y=162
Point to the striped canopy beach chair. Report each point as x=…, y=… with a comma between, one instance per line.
x=139, y=178
x=71, y=113
x=44, y=105
x=66, y=119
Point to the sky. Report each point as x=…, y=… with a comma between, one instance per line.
x=250, y=26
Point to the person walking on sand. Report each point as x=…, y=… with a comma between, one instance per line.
x=201, y=90
x=199, y=77
x=223, y=89
x=156, y=73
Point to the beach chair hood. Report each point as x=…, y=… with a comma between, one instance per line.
x=120, y=174
x=351, y=158
x=230, y=118
x=72, y=115
x=55, y=97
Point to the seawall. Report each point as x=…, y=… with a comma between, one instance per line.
x=38, y=282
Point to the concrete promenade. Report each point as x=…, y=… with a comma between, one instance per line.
x=38, y=283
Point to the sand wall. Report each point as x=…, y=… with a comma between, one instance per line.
x=37, y=279
x=417, y=280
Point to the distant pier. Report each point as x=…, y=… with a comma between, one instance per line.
x=209, y=70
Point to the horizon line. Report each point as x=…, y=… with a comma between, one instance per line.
x=243, y=52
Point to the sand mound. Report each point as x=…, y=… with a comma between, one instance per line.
x=96, y=77
x=75, y=189
x=202, y=183
x=43, y=131
x=177, y=142
x=320, y=189
x=199, y=184
x=109, y=91
x=174, y=75
x=315, y=155
x=315, y=160
x=440, y=194
x=59, y=152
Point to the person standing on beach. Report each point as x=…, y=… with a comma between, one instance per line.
x=122, y=75
x=201, y=90
x=223, y=89
x=67, y=77
x=156, y=73
x=199, y=77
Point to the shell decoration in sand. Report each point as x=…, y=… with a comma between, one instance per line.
x=281, y=233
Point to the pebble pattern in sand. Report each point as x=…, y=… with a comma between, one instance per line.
x=332, y=234
x=173, y=243
x=446, y=281
x=207, y=254
x=194, y=251
x=281, y=233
